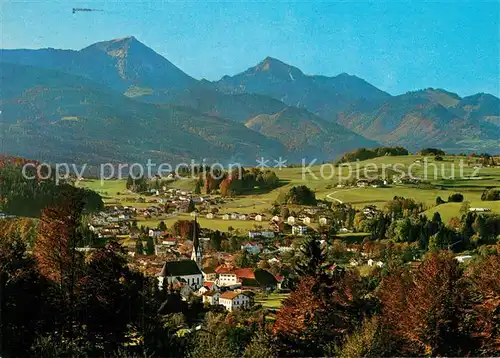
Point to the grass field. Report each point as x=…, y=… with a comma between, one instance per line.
x=213, y=224
x=324, y=184
x=449, y=210
x=272, y=300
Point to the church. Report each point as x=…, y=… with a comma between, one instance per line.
x=185, y=271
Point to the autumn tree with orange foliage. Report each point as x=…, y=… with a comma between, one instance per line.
x=321, y=310
x=57, y=238
x=210, y=183
x=59, y=232
x=184, y=228
x=225, y=187
x=485, y=279
x=425, y=311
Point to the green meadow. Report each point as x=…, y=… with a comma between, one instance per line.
x=468, y=180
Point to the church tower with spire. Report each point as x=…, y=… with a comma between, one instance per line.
x=196, y=255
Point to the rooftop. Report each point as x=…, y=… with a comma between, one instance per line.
x=180, y=268
x=230, y=295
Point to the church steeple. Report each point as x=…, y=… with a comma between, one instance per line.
x=196, y=254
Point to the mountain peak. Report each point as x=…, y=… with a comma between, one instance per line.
x=276, y=68
x=120, y=44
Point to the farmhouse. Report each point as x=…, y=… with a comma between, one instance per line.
x=209, y=274
x=229, y=276
x=234, y=300
x=211, y=297
x=276, y=218
x=226, y=277
x=290, y=220
x=306, y=220
x=480, y=210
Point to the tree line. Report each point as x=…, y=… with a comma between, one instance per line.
x=22, y=196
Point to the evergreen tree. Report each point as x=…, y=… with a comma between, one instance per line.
x=139, y=247
x=150, y=246
x=162, y=226
x=191, y=206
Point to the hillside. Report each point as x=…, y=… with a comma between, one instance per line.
x=205, y=98
x=54, y=116
x=418, y=119
x=324, y=96
x=122, y=89
x=125, y=65
x=426, y=117
x=479, y=107
x=307, y=135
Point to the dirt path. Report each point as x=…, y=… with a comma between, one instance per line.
x=332, y=198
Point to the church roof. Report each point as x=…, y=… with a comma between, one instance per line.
x=180, y=268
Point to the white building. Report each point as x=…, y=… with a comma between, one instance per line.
x=234, y=300
x=251, y=247
x=290, y=220
x=376, y=263
x=306, y=220
x=267, y=234
x=154, y=233
x=225, y=217
x=181, y=271
x=210, y=216
x=463, y=258
x=323, y=221
x=299, y=230
x=211, y=297
x=227, y=279
x=254, y=234
x=258, y=217
x=480, y=210
x=276, y=218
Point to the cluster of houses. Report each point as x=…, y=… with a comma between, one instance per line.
x=480, y=210
x=226, y=285
x=374, y=183
x=112, y=221
x=407, y=179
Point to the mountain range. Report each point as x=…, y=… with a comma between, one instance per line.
x=119, y=100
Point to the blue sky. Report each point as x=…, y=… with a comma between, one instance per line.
x=396, y=46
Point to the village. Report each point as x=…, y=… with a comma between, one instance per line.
x=190, y=263
x=234, y=250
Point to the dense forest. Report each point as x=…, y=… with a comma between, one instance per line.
x=25, y=192
x=370, y=153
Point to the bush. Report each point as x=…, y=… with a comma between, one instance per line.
x=299, y=195
x=456, y=198
x=431, y=151
x=439, y=201
x=490, y=195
